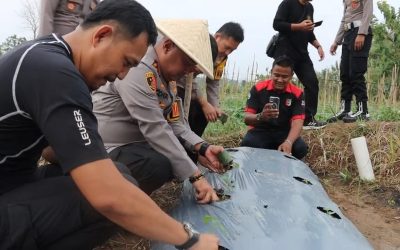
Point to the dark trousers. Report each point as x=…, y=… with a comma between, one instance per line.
x=353, y=66
x=51, y=213
x=197, y=120
x=304, y=69
x=260, y=138
x=150, y=168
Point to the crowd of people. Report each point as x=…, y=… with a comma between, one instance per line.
x=113, y=131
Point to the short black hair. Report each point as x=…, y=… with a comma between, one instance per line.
x=283, y=61
x=214, y=47
x=132, y=17
x=233, y=30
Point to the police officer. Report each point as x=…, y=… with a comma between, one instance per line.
x=45, y=98
x=202, y=109
x=140, y=117
x=355, y=35
x=63, y=16
x=275, y=112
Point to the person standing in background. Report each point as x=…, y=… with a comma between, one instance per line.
x=295, y=24
x=355, y=35
x=202, y=109
x=63, y=16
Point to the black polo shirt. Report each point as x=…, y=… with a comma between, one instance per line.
x=291, y=105
x=44, y=100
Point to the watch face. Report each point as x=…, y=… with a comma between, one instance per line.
x=189, y=229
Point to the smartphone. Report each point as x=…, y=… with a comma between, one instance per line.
x=316, y=24
x=275, y=102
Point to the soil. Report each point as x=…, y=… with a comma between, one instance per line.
x=370, y=212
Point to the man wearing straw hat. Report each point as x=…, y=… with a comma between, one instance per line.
x=203, y=110
x=140, y=117
x=45, y=100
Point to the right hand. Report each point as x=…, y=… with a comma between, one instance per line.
x=333, y=49
x=205, y=193
x=307, y=25
x=206, y=242
x=210, y=112
x=268, y=112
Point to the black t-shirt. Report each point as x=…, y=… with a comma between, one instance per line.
x=44, y=100
x=291, y=11
x=291, y=105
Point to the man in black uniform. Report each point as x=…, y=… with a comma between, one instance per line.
x=45, y=100
x=275, y=112
x=294, y=21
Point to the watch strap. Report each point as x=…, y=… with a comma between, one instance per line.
x=203, y=148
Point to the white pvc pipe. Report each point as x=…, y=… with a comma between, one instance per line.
x=363, y=161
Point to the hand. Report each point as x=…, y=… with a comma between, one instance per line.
x=219, y=111
x=206, y=242
x=210, y=112
x=307, y=25
x=359, y=42
x=205, y=193
x=268, y=112
x=333, y=49
x=285, y=147
x=212, y=157
x=321, y=53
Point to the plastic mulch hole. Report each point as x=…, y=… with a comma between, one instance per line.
x=232, y=149
x=221, y=194
x=222, y=248
x=329, y=212
x=302, y=180
x=290, y=157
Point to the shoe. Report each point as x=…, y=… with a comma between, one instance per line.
x=356, y=117
x=314, y=124
x=337, y=117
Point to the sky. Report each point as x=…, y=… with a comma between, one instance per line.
x=255, y=16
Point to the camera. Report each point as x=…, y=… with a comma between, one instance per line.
x=275, y=102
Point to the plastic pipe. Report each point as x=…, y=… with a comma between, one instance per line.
x=363, y=161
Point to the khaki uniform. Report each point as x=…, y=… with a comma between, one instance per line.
x=63, y=16
x=144, y=107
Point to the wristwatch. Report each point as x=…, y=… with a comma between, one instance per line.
x=193, y=237
x=203, y=148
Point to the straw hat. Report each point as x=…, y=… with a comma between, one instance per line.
x=192, y=37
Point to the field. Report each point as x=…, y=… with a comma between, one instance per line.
x=374, y=207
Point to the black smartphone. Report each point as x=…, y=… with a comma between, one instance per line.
x=316, y=24
x=275, y=102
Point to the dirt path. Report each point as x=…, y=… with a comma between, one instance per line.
x=377, y=221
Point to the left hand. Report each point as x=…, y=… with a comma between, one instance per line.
x=359, y=42
x=321, y=53
x=211, y=161
x=285, y=147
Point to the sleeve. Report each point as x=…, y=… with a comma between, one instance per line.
x=311, y=35
x=64, y=117
x=253, y=104
x=196, y=90
x=298, y=111
x=46, y=22
x=367, y=17
x=142, y=104
x=281, y=23
x=212, y=90
x=340, y=33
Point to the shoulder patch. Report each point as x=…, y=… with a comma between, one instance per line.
x=151, y=80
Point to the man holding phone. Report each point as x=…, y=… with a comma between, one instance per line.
x=295, y=24
x=275, y=112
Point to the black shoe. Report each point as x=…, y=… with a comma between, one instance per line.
x=356, y=117
x=337, y=117
x=313, y=124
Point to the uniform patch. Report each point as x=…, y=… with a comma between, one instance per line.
x=174, y=114
x=355, y=4
x=151, y=80
x=219, y=69
x=288, y=102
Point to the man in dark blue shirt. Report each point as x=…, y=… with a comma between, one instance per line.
x=45, y=100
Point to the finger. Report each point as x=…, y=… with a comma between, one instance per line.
x=214, y=196
x=205, y=199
